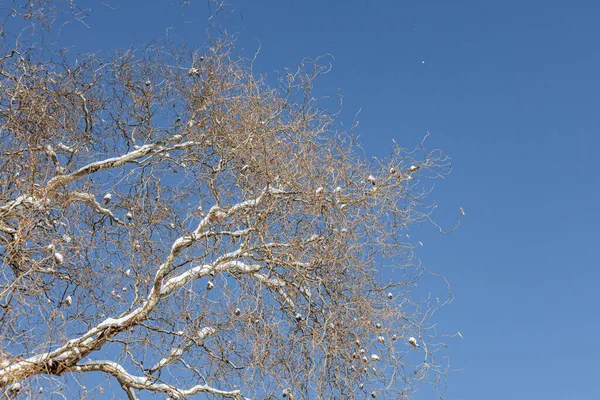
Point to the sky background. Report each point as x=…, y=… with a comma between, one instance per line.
x=510, y=90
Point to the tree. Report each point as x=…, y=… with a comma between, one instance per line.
x=169, y=220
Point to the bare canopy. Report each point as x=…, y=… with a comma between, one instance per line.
x=171, y=223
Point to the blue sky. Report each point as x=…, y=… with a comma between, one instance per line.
x=511, y=91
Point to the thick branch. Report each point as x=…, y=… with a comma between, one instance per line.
x=129, y=381
x=109, y=163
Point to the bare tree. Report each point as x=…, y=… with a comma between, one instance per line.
x=170, y=221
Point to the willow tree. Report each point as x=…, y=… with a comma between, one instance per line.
x=171, y=223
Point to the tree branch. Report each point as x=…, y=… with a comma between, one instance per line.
x=129, y=381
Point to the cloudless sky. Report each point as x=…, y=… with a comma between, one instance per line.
x=510, y=90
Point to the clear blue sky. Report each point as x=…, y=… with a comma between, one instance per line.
x=510, y=90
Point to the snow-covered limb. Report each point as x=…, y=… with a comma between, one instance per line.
x=176, y=353
x=66, y=148
x=113, y=162
x=129, y=381
x=193, y=237
x=200, y=271
x=206, y=332
x=215, y=212
x=102, y=165
x=278, y=285
x=23, y=201
x=7, y=229
x=270, y=281
x=88, y=198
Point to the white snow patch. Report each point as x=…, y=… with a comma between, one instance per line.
x=15, y=387
x=206, y=332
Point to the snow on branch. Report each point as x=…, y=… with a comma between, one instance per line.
x=129, y=381
x=88, y=198
x=278, y=285
x=112, y=162
x=200, y=271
